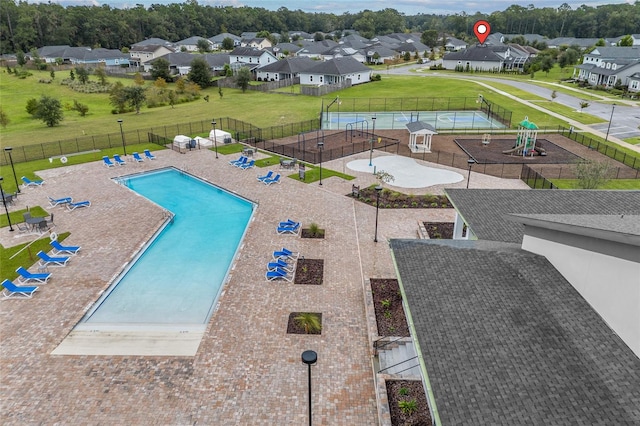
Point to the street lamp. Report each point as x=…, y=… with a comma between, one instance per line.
x=215, y=140
x=481, y=100
x=373, y=135
x=613, y=107
x=6, y=209
x=309, y=358
x=124, y=148
x=470, y=162
x=337, y=99
x=8, y=150
x=320, y=146
x=378, y=190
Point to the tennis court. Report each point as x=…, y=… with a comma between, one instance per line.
x=441, y=120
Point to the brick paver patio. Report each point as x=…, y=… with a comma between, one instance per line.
x=247, y=370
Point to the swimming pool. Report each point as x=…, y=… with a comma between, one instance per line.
x=177, y=278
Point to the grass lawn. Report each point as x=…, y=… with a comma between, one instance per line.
x=633, y=184
x=23, y=255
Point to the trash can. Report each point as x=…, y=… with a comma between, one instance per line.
x=301, y=172
x=192, y=144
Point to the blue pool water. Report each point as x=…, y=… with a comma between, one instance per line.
x=177, y=279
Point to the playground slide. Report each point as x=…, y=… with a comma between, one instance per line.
x=511, y=151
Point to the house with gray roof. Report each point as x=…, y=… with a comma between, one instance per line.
x=378, y=54
x=336, y=71
x=454, y=44
x=534, y=319
x=180, y=62
x=217, y=40
x=83, y=56
x=604, y=66
x=154, y=41
x=141, y=54
x=583, y=43
x=317, y=49
x=284, y=69
x=487, y=57
x=251, y=57
x=191, y=44
x=634, y=83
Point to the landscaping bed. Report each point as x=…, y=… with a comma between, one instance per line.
x=309, y=271
x=439, y=230
x=393, y=200
x=407, y=403
x=387, y=302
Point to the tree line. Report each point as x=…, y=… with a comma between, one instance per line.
x=24, y=26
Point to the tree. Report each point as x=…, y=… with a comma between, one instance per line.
x=592, y=174
x=83, y=75
x=138, y=79
x=243, y=78
x=227, y=43
x=72, y=75
x=21, y=58
x=118, y=97
x=601, y=43
x=32, y=107
x=4, y=119
x=81, y=108
x=52, y=74
x=49, y=110
x=200, y=73
x=135, y=97
x=583, y=105
x=101, y=74
x=318, y=36
x=430, y=38
x=227, y=71
x=203, y=46
x=546, y=64
x=554, y=95
x=406, y=56
x=160, y=69
x=626, y=41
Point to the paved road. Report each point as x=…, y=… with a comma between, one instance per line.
x=625, y=122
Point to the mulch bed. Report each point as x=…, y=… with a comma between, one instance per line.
x=492, y=153
x=393, y=323
x=294, y=328
x=415, y=391
x=309, y=271
x=394, y=200
x=439, y=230
x=307, y=233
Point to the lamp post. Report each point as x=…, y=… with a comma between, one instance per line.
x=309, y=358
x=373, y=135
x=6, y=209
x=124, y=147
x=215, y=140
x=482, y=100
x=337, y=99
x=320, y=147
x=470, y=162
x=8, y=150
x=613, y=107
x=378, y=190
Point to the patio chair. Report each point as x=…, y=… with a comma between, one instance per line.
x=288, y=229
x=149, y=155
x=60, y=249
x=26, y=276
x=12, y=291
x=72, y=206
x=119, y=161
x=275, y=179
x=248, y=165
x=107, y=161
x=269, y=175
x=9, y=198
x=278, y=274
x=286, y=254
x=240, y=161
x=280, y=263
x=46, y=260
x=31, y=183
x=137, y=157
x=288, y=222
x=23, y=226
x=58, y=201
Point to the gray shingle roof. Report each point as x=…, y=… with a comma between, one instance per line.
x=484, y=210
x=477, y=53
x=338, y=66
x=506, y=340
x=290, y=65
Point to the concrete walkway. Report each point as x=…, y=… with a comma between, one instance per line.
x=247, y=369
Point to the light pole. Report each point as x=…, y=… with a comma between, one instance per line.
x=613, y=107
x=470, y=162
x=378, y=190
x=124, y=147
x=309, y=358
x=4, y=201
x=215, y=140
x=373, y=135
x=320, y=147
x=337, y=99
x=482, y=100
x=8, y=150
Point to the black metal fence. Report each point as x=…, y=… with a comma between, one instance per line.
x=625, y=158
x=534, y=179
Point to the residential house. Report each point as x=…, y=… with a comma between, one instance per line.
x=378, y=54
x=541, y=303
x=141, y=54
x=301, y=35
x=284, y=69
x=487, y=57
x=257, y=43
x=336, y=71
x=217, y=40
x=250, y=57
x=191, y=44
x=156, y=42
x=634, y=83
x=605, y=66
x=454, y=44
x=283, y=50
x=317, y=49
x=583, y=43
x=83, y=55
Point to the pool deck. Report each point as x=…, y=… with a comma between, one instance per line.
x=247, y=369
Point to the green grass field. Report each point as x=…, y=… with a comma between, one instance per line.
x=628, y=184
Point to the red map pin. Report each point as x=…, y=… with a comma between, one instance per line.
x=481, y=29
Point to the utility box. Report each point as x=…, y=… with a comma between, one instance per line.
x=301, y=171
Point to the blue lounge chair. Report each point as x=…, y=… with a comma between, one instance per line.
x=137, y=157
x=240, y=161
x=107, y=161
x=57, y=201
x=26, y=276
x=279, y=263
x=72, y=206
x=60, y=249
x=289, y=229
x=32, y=183
x=275, y=179
x=149, y=155
x=288, y=222
x=269, y=175
x=278, y=274
x=119, y=161
x=46, y=260
x=12, y=291
x=248, y=165
x=286, y=254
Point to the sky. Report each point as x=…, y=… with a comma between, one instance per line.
x=338, y=7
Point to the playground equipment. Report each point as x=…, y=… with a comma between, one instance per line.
x=526, y=140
